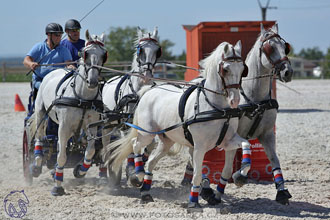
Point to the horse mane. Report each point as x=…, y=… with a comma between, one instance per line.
x=257, y=43
x=210, y=63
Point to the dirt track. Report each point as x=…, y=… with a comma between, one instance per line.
x=303, y=146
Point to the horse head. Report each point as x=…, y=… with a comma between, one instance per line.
x=94, y=54
x=274, y=51
x=148, y=50
x=229, y=67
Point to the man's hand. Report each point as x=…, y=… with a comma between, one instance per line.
x=29, y=63
x=33, y=65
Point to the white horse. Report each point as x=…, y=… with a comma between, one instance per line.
x=72, y=105
x=268, y=57
x=157, y=110
x=120, y=94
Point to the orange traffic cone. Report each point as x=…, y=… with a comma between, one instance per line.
x=19, y=107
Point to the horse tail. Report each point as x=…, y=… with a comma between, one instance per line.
x=175, y=149
x=116, y=152
x=144, y=89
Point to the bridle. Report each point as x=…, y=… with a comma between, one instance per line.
x=267, y=49
x=139, y=51
x=222, y=73
x=89, y=67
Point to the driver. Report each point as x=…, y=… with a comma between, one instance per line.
x=47, y=52
x=73, y=42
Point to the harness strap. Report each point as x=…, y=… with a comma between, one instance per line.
x=182, y=106
x=96, y=105
x=223, y=132
x=257, y=110
x=122, y=80
x=66, y=76
x=125, y=100
x=77, y=133
x=255, y=125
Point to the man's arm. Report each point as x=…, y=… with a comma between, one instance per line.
x=29, y=63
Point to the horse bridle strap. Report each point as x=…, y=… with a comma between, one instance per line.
x=234, y=58
x=94, y=42
x=147, y=39
x=262, y=50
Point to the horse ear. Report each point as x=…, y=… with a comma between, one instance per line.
x=102, y=37
x=155, y=33
x=87, y=35
x=226, y=48
x=262, y=29
x=139, y=32
x=275, y=28
x=238, y=47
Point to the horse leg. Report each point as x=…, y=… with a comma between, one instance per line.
x=81, y=170
x=268, y=142
x=240, y=177
x=198, y=156
x=207, y=193
x=162, y=149
x=63, y=136
x=130, y=167
x=138, y=143
x=188, y=175
x=36, y=167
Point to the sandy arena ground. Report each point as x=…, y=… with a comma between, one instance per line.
x=303, y=146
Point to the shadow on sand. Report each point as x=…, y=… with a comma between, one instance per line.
x=308, y=110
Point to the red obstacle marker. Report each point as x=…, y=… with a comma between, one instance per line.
x=19, y=107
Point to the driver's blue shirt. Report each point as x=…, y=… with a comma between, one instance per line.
x=42, y=54
x=74, y=48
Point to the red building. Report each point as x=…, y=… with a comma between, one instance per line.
x=203, y=38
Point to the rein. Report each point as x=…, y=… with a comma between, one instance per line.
x=171, y=81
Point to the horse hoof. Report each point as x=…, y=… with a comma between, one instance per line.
x=186, y=182
x=58, y=191
x=134, y=180
x=194, y=207
x=208, y=195
x=146, y=199
x=239, y=179
x=283, y=197
x=35, y=170
x=76, y=172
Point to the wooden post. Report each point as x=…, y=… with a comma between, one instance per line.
x=4, y=73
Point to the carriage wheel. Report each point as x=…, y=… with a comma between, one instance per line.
x=27, y=157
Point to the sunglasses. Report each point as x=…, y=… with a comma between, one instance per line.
x=57, y=35
x=75, y=30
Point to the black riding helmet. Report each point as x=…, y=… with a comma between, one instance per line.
x=54, y=28
x=72, y=24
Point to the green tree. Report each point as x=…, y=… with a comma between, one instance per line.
x=182, y=56
x=311, y=53
x=120, y=44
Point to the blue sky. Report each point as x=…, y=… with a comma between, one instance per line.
x=303, y=23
